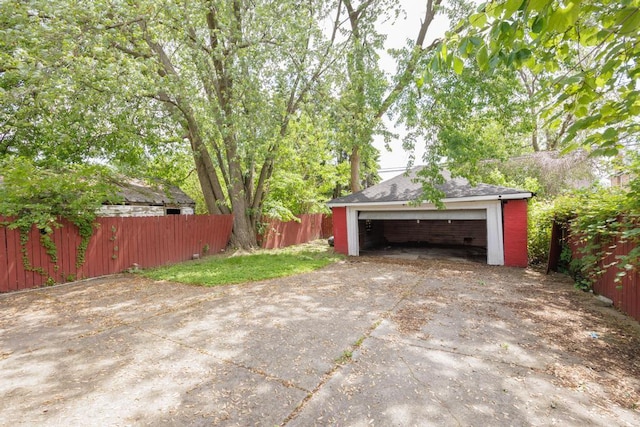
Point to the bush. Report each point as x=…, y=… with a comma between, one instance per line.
x=539, y=230
x=32, y=195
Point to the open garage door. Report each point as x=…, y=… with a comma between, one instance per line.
x=460, y=232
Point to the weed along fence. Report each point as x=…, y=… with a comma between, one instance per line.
x=116, y=245
x=280, y=234
x=624, y=292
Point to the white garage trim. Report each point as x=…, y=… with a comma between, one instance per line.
x=493, y=215
x=352, y=232
x=470, y=214
x=495, y=246
x=471, y=199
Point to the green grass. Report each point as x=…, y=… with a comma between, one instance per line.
x=249, y=267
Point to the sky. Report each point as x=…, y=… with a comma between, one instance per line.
x=395, y=162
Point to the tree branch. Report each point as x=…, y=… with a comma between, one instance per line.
x=130, y=51
x=418, y=51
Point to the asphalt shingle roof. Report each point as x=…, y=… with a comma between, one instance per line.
x=139, y=192
x=136, y=191
x=405, y=187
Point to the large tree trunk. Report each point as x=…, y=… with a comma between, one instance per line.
x=534, y=136
x=404, y=79
x=355, y=168
x=244, y=232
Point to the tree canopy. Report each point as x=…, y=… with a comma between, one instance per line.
x=589, y=50
x=271, y=106
x=223, y=78
x=238, y=87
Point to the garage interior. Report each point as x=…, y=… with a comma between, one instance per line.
x=424, y=234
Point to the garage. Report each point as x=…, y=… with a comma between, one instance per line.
x=484, y=221
x=461, y=233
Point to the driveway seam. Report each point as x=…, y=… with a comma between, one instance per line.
x=256, y=371
x=459, y=353
x=339, y=365
x=413, y=375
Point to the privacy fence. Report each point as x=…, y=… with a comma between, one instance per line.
x=622, y=290
x=116, y=245
x=625, y=293
x=278, y=234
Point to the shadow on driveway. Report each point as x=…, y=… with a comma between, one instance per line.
x=357, y=343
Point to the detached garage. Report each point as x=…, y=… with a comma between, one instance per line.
x=488, y=218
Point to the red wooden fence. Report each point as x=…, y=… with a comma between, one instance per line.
x=117, y=244
x=327, y=226
x=280, y=234
x=624, y=293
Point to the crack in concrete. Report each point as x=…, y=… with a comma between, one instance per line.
x=460, y=353
x=340, y=362
x=413, y=375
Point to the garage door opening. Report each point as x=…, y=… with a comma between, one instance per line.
x=424, y=234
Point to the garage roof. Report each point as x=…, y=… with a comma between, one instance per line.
x=407, y=187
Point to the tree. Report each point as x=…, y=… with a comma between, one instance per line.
x=464, y=119
x=234, y=75
x=545, y=135
x=224, y=78
x=307, y=172
x=366, y=95
x=58, y=102
x=594, y=42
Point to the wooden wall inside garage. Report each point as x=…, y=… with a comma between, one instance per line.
x=437, y=232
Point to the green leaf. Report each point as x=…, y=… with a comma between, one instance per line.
x=629, y=20
x=511, y=6
x=463, y=49
x=478, y=20
x=483, y=58
x=610, y=133
x=538, y=24
x=494, y=9
x=476, y=41
x=522, y=55
x=536, y=5
x=564, y=18
x=458, y=65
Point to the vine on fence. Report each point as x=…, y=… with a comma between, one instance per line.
x=600, y=220
x=31, y=195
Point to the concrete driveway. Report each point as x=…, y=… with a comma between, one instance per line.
x=362, y=342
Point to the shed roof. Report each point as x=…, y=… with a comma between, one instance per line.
x=407, y=187
x=136, y=191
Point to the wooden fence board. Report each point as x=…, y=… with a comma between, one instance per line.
x=29, y=274
x=624, y=292
x=116, y=245
x=4, y=261
x=16, y=271
x=280, y=234
x=15, y=259
x=62, y=243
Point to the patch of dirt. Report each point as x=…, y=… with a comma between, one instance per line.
x=411, y=318
x=606, y=344
x=600, y=346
